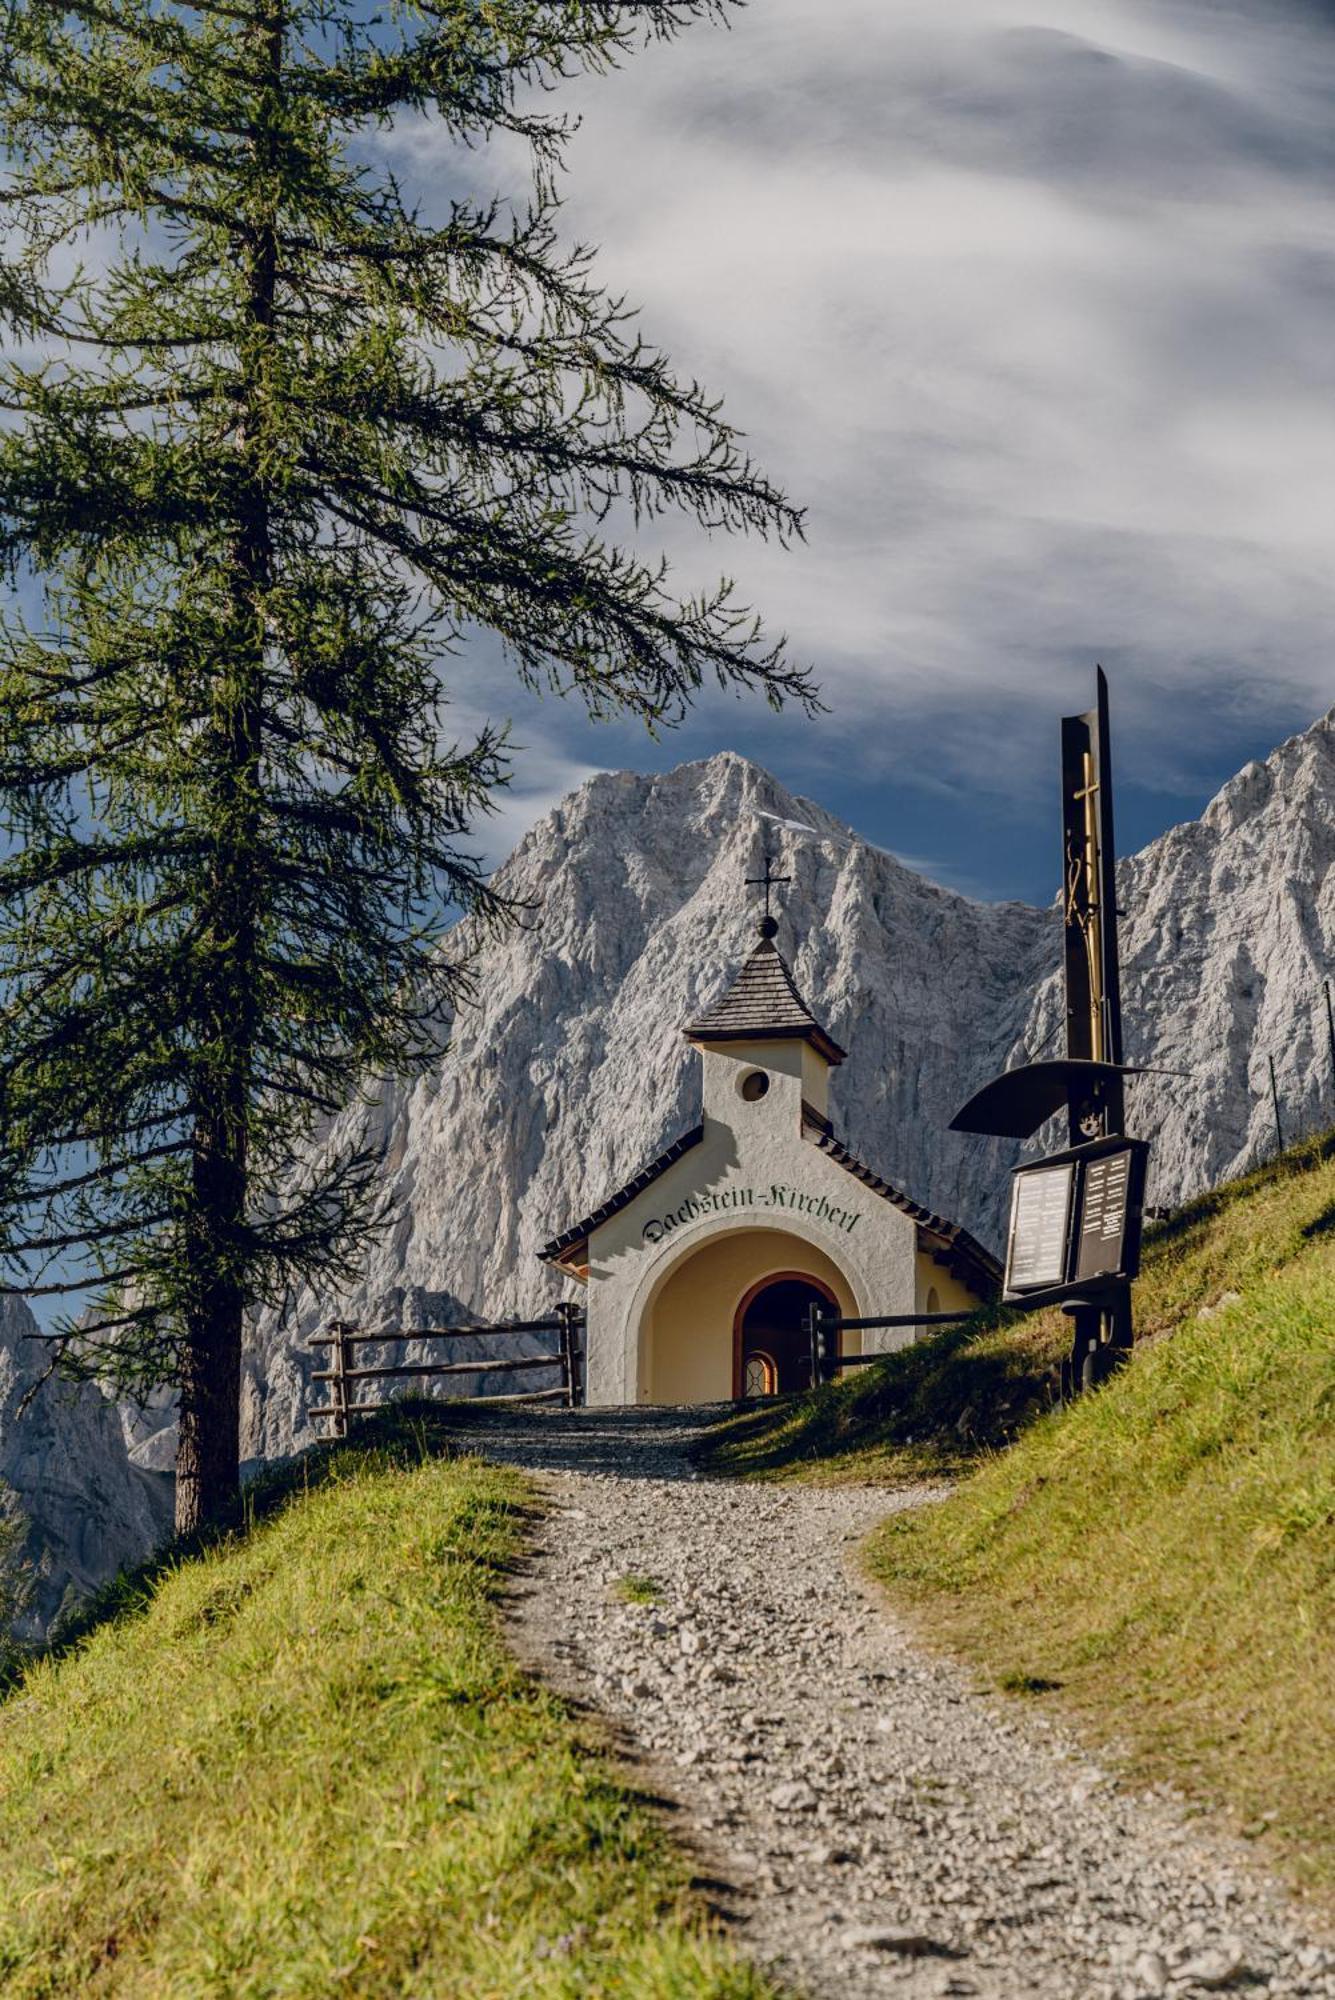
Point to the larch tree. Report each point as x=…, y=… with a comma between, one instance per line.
x=275, y=444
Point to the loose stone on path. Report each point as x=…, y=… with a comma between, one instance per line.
x=885, y=1827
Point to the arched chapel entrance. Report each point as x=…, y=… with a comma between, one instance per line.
x=771, y=1344
x=735, y=1295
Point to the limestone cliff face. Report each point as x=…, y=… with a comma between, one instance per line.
x=65, y=1472
x=1228, y=934
x=570, y=1072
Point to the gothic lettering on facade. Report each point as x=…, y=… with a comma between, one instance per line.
x=779, y=1195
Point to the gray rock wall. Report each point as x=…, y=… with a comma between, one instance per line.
x=571, y=1072
x=86, y=1510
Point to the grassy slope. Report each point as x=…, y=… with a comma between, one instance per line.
x=1163, y=1552
x=926, y=1412
x=937, y=1408
x=302, y=1763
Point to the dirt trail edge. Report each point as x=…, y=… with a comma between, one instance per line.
x=883, y=1826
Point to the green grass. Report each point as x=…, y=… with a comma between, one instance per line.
x=924, y=1413
x=1161, y=1555
x=1158, y=1557
x=303, y=1763
x=638, y=1589
x=936, y=1409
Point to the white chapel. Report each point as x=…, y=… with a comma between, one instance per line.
x=700, y=1270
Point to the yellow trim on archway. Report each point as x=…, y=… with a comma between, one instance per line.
x=685, y=1337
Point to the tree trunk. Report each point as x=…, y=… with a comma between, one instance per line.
x=208, y=1482
x=208, y=1487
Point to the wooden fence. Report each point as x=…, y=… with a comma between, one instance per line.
x=825, y=1329
x=565, y=1322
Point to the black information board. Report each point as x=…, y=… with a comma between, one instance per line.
x=1075, y=1219
x=1104, y=1205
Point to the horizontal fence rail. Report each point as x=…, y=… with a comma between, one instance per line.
x=341, y=1337
x=825, y=1329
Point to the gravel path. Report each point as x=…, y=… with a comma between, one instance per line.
x=874, y=1822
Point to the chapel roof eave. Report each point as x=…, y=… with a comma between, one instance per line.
x=956, y=1247
x=559, y=1250
x=699, y=1035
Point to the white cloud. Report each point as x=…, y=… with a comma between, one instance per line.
x=1030, y=304
x=542, y=778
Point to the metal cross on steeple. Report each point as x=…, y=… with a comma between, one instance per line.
x=767, y=881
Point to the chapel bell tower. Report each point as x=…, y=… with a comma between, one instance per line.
x=702, y=1269
x=764, y=1052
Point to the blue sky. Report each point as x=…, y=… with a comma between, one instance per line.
x=1032, y=305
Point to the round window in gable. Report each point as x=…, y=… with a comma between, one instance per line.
x=753, y=1085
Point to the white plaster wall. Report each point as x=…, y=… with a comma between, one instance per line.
x=725, y=1066
x=752, y=1170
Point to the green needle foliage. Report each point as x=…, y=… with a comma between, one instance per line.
x=271, y=451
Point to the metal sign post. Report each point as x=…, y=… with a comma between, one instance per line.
x=1102, y=1321
x=1075, y=1217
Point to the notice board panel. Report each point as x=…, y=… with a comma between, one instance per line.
x=1076, y=1219
x=1104, y=1210
x=1036, y=1251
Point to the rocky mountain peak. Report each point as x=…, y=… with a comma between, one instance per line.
x=570, y=1069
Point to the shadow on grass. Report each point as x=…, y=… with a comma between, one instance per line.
x=936, y=1407
x=937, y=1404
x=404, y=1434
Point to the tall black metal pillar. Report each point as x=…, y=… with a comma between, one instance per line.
x=1075, y=1224
x=1089, y=908
x=1096, y=1109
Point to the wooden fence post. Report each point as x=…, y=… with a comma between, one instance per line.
x=339, y=1355
x=568, y=1314
x=340, y=1337
x=830, y=1345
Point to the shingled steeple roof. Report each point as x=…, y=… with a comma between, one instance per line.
x=763, y=1004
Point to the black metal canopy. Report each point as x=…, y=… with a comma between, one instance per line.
x=1017, y=1102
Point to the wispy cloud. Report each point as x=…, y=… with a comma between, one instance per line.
x=1030, y=304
